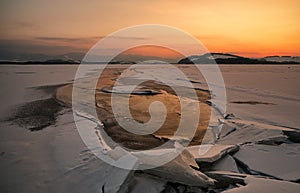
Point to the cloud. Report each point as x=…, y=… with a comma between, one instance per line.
x=85, y=39
x=66, y=39
x=52, y=44
x=25, y=24
x=30, y=46
x=129, y=38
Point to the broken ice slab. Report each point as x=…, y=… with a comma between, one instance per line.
x=251, y=184
x=293, y=136
x=281, y=162
x=211, y=153
x=182, y=169
x=227, y=129
x=118, y=179
x=226, y=178
x=90, y=129
x=254, y=184
x=143, y=182
x=241, y=132
x=180, y=166
x=227, y=163
x=129, y=89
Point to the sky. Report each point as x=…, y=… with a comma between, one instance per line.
x=253, y=28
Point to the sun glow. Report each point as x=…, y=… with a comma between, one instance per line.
x=249, y=28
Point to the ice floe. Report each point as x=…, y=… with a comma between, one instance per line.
x=211, y=153
x=285, y=158
x=227, y=163
x=254, y=184
x=185, y=169
x=241, y=132
x=183, y=165
x=143, y=183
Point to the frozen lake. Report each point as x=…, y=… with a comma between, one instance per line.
x=55, y=159
x=263, y=93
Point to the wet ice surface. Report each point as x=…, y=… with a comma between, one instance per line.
x=270, y=84
x=55, y=158
x=17, y=88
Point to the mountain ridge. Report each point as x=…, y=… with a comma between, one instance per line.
x=226, y=58
x=207, y=58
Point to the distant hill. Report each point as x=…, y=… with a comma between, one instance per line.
x=283, y=59
x=208, y=58
x=224, y=58
x=68, y=58
x=52, y=61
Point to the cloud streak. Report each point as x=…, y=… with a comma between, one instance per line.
x=30, y=46
x=66, y=39
x=25, y=24
x=94, y=38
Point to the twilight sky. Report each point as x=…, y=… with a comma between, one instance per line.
x=250, y=28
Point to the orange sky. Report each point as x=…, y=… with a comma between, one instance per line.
x=249, y=28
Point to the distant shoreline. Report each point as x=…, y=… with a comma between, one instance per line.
x=41, y=63
x=208, y=58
